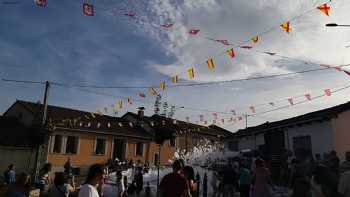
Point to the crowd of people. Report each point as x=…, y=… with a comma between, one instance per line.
x=303, y=176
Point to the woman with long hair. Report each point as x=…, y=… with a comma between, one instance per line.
x=94, y=179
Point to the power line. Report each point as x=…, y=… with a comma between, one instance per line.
x=197, y=84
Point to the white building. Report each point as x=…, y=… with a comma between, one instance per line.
x=316, y=132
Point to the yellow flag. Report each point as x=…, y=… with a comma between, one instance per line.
x=255, y=39
x=231, y=53
x=190, y=73
x=286, y=27
x=211, y=64
x=174, y=79
x=120, y=104
x=162, y=85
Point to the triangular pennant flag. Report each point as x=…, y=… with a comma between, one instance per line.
x=255, y=39
x=338, y=68
x=308, y=96
x=174, y=79
x=231, y=53
x=347, y=72
x=286, y=27
x=194, y=31
x=169, y=25
x=41, y=3
x=88, y=9
x=210, y=64
x=327, y=92
x=325, y=8
x=153, y=92
x=190, y=73
x=162, y=85
x=120, y=104
x=252, y=108
x=141, y=94
x=290, y=100
x=130, y=14
x=130, y=100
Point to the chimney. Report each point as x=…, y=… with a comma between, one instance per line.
x=141, y=112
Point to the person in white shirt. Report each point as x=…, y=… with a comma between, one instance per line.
x=344, y=184
x=114, y=190
x=94, y=178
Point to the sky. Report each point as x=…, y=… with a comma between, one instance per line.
x=59, y=44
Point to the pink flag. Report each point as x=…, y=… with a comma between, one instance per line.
x=328, y=92
x=346, y=72
x=41, y=3
x=88, y=9
x=215, y=116
x=130, y=14
x=169, y=25
x=252, y=108
x=290, y=100
x=194, y=31
x=338, y=68
x=308, y=96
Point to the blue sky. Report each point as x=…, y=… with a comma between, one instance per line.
x=57, y=43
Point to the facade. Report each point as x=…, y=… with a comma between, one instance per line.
x=318, y=132
x=86, y=138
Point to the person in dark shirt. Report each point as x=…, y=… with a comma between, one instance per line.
x=229, y=180
x=174, y=184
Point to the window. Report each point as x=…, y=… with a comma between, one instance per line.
x=172, y=143
x=57, y=144
x=100, y=147
x=156, y=158
x=72, y=145
x=139, y=148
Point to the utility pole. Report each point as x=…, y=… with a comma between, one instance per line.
x=40, y=147
x=246, y=120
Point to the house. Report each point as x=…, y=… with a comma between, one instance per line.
x=88, y=138
x=17, y=144
x=315, y=133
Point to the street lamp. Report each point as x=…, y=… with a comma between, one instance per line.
x=336, y=25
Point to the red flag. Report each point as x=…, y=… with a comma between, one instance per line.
x=194, y=31
x=169, y=25
x=325, y=8
x=252, y=108
x=41, y=3
x=338, y=68
x=290, y=100
x=231, y=53
x=346, y=72
x=308, y=96
x=88, y=9
x=286, y=27
x=130, y=14
x=327, y=92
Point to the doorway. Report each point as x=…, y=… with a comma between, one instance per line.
x=119, y=149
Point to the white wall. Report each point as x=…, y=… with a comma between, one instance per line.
x=22, y=158
x=320, y=132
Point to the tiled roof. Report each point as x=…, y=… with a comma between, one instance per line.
x=65, y=118
x=324, y=114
